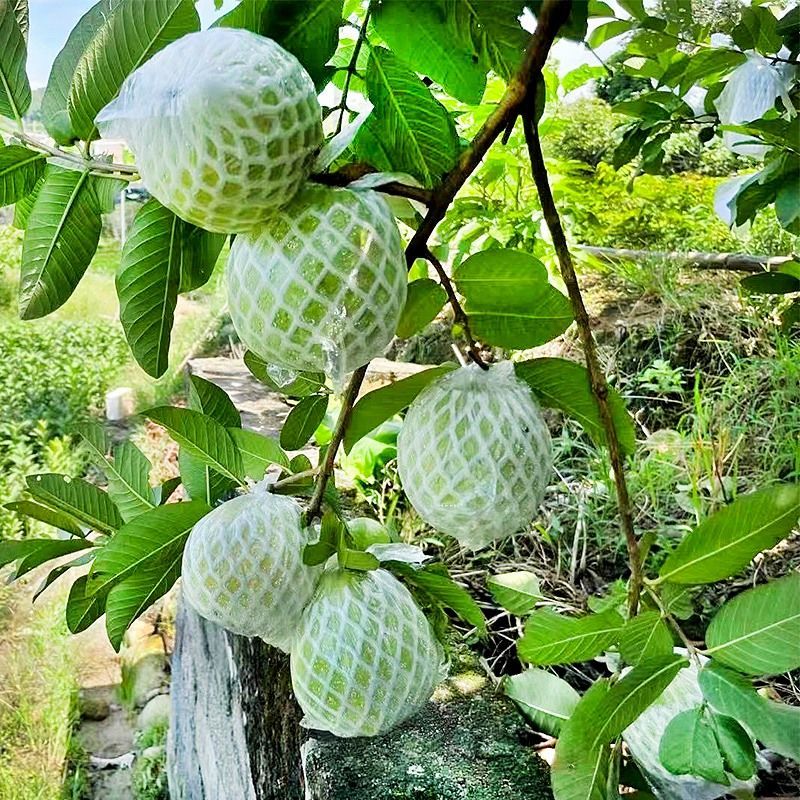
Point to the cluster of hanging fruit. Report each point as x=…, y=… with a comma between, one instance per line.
x=225, y=126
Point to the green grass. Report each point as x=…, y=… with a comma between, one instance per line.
x=37, y=698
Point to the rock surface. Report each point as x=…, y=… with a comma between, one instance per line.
x=467, y=744
x=155, y=712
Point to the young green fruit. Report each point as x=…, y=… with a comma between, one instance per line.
x=322, y=284
x=365, y=658
x=474, y=454
x=224, y=125
x=243, y=567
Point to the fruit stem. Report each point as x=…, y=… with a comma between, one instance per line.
x=597, y=377
x=459, y=315
x=326, y=470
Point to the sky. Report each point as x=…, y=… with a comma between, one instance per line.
x=52, y=20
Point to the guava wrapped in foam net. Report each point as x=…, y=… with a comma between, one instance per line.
x=475, y=455
x=366, y=658
x=224, y=125
x=321, y=285
x=243, y=567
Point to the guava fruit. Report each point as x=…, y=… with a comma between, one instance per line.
x=224, y=125
x=321, y=285
x=366, y=657
x=243, y=567
x=475, y=455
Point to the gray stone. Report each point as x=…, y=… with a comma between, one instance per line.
x=467, y=744
x=153, y=752
x=146, y=673
x=93, y=703
x=155, y=712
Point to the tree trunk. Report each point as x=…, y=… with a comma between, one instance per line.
x=235, y=729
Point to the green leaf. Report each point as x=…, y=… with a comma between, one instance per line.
x=775, y=724
x=580, y=772
x=203, y=437
x=83, y=609
x=20, y=170
x=437, y=584
x=301, y=385
x=735, y=746
x=133, y=596
x=302, y=421
x=57, y=572
x=608, y=30
x=163, y=492
x=15, y=91
x=208, y=398
x=42, y=549
x=201, y=481
x=417, y=130
x=24, y=206
x=131, y=34
x=78, y=498
x=331, y=533
x=55, y=101
x=758, y=632
x=551, y=638
x=309, y=29
x=365, y=531
x=631, y=695
x=58, y=519
x=60, y=240
x=580, y=76
x=357, y=560
x=726, y=542
x=546, y=700
x=150, y=539
x=516, y=592
x=509, y=299
x=258, y=452
x=161, y=254
x=771, y=283
x=381, y=404
x=128, y=473
x=431, y=41
x=50, y=549
x=565, y=385
x=689, y=747
x=424, y=301
x=643, y=637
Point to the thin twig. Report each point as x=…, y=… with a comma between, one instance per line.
x=351, y=68
x=297, y=476
x=325, y=472
x=122, y=171
x=459, y=314
x=597, y=377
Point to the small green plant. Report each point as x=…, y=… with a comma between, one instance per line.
x=662, y=378
x=149, y=776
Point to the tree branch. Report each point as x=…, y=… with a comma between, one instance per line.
x=351, y=68
x=348, y=401
x=352, y=172
x=552, y=16
x=596, y=375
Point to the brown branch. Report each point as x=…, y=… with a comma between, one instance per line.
x=348, y=401
x=596, y=375
x=552, y=15
x=352, y=172
x=693, y=259
x=459, y=315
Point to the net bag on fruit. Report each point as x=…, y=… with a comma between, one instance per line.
x=321, y=285
x=750, y=92
x=475, y=455
x=365, y=658
x=224, y=126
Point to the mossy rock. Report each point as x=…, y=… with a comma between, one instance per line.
x=466, y=744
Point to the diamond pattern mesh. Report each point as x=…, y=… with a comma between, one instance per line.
x=224, y=125
x=243, y=567
x=474, y=454
x=366, y=657
x=322, y=285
